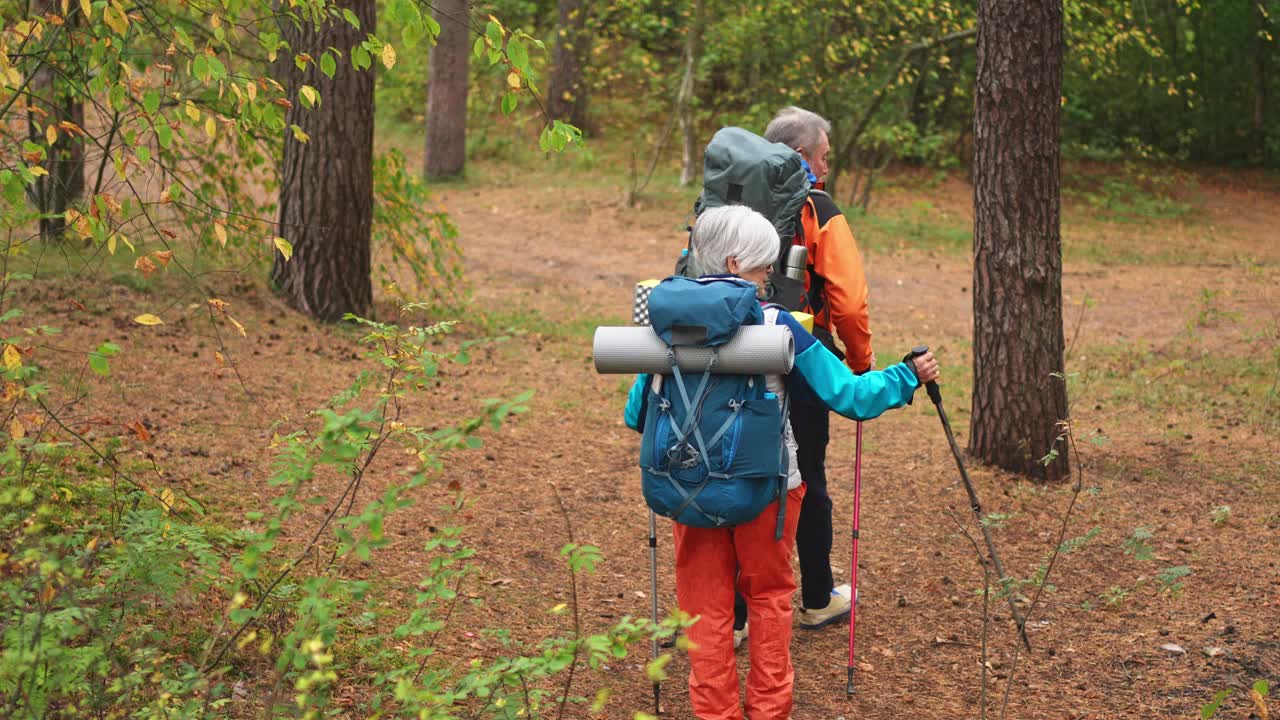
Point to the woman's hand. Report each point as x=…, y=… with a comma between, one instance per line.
x=926, y=367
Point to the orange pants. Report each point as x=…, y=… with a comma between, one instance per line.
x=707, y=563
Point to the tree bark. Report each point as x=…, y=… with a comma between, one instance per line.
x=566, y=92
x=689, y=159
x=447, y=91
x=326, y=185
x=1017, y=264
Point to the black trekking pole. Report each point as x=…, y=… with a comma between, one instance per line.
x=653, y=595
x=936, y=396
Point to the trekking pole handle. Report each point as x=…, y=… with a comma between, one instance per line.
x=935, y=394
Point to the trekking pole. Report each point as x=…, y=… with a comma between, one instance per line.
x=653, y=595
x=936, y=396
x=853, y=575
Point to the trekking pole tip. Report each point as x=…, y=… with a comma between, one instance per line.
x=848, y=688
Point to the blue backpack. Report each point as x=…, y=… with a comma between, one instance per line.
x=712, y=454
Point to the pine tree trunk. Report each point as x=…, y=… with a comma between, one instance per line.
x=447, y=91
x=1017, y=264
x=326, y=185
x=690, y=157
x=566, y=91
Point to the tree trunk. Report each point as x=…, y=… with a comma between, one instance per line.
x=1260, y=83
x=566, y=92
x=1017, y=264
x=447, y=91
x=64, y=161
x=689, y=159
x=326, y=185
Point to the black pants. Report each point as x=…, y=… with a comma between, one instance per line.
x=811, y=426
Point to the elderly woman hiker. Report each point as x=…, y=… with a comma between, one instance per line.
x=755, y=556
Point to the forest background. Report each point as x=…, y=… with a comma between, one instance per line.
x=218, y=504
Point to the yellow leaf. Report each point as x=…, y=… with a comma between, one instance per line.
x=238, y=326
x=558, y=609
x=51, y=134
x=115, y=18
x=251, y=89
x=166, y=499
x=220, y=232
x=284, y=247
x=210, y=128
x=12, y=358
x=148, y=319
x=37, y=170
x=300, y=135
x=86, y=7
x=388, y=56
x=111, y=244
x=513, y=79
x=192, y=111
x=16, y=429
x=309, y=94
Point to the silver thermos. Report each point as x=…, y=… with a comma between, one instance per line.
x=794, y=266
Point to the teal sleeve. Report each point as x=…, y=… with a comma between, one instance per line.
x=634, y=414
x=858, y=397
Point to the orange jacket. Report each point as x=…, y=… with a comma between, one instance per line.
x=840, y=305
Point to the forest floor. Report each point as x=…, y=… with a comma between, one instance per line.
x=1172, y=305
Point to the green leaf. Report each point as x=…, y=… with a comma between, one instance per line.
x=360, y=58
x=351, y=18
x=151, y=102
x=1262, y=687
x=328, y=65
x=509, y=103
x=518, y=55
x=164, y=135
x=477, y=49
x=118, y=97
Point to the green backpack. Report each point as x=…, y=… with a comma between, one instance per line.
x=742, y=168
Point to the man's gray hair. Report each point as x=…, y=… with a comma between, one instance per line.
x=796, y=128
x=732, y=231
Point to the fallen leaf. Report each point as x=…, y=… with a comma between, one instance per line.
x=139, y=430
x=1173, y=649
x=148, y=319
x=17, y=430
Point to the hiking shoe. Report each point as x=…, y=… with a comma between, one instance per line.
x=740, y=636
x=835, y=611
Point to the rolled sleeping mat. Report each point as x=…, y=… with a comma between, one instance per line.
x=755, y=350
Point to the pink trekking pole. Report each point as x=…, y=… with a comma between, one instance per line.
x=853, y=575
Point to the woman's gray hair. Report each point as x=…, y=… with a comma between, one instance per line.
x=796, y=128
x=732, y=231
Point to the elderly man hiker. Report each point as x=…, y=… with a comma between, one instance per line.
x=837, y=288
